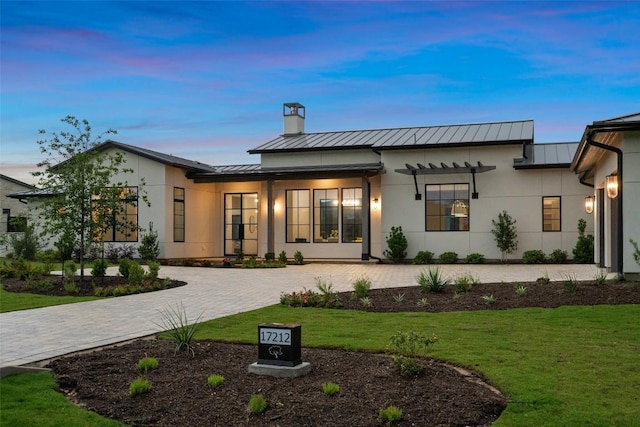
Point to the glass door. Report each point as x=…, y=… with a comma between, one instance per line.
x=241, y=223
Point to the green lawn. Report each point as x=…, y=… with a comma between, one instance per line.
x=570, y=366
x=12, y=301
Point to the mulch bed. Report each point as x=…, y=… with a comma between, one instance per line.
x=443, y=395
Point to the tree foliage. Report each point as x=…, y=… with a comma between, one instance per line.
x=82, y=193
x=583, y=251
x=397, y=245
x=505, y=233
x=149, y=249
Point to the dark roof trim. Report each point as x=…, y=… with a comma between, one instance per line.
x=289, y=173
x=455, y=145
x=541, y=166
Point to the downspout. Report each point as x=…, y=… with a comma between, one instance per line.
x=618, y=152
x=583, y=182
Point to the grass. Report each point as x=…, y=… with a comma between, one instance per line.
x=12, y=301
x=573, y=365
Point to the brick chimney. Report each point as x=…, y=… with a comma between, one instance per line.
x=293, y=113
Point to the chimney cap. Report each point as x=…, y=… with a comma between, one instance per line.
x=293, y=109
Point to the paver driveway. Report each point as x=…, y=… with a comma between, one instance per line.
x=33, y=335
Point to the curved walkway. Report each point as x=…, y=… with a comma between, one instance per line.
x=33, y=335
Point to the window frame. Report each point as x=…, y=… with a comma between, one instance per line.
x=111, y=233
x=558, y=209
x=357, y=210
x=177, y=201
x=318, y=215
x=440, y=215
x=297, y=208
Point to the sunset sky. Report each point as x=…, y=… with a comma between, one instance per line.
x=206, y=80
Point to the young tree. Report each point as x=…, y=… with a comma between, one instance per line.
x=506, y=234
x=79, y=181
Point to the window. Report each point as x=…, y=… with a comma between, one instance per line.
x=178, y=214
x=123, y=224
x=298, y=214
x=351, y=215
x=447, y=207
x=551, y=213
x=325, y=215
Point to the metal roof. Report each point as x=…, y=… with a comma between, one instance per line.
x=16, y=181
x=635, y=117
x=547, y=155
x=514, y=132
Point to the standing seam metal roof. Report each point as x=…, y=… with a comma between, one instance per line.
x=481, y=133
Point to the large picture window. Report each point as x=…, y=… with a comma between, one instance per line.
x=551, y=214
x=447, y=207
x=351, y=215
x=123, y=224
x=298, y=214
x=325, y=215
x=178, y=214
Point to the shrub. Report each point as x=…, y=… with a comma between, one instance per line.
x=423, y=257
x=432, y=280
x=505, y=234
x=149, y=249
x=449, y=257
x=139, y=386
x=123, y=267
x=99, y=268
x=70, y=269
x=330, y=388
x=636, y=251
x=408, y=366
x=410, y=343
x=112, y=253
x=474, y=258
x=257, y=404
x=147, y=364
x=390, y=414
x=583, y=251
x=269, y=256
x=70, y=287
x=298, y=258
x=25, y=244
x=282, y=257
x=534, y=256
x=136, y=273
x=463, y=283
x=397, y=245
x=176, y=324
x=558, y=256
x=361, y=286
x=215, y=380
x=327, y=298
x=154, y=270
x=127, y=251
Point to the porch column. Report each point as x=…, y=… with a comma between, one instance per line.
x=366, y=219
x=270, y=231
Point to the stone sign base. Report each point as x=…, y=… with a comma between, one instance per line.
x=280, y=371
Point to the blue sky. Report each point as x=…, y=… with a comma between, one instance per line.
x=206, y=80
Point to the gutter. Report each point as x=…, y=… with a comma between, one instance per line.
x=618, y=152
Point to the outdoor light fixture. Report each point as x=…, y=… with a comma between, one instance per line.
x=612, y=186
x=588, y=204
x=459, y=209
x=376, y=204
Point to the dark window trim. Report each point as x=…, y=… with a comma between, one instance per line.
x=559, y=230
x=184, y=214
x=342, y=210
x=286, y=215
x=112, y=231
x=468, y=200
x=313, y=231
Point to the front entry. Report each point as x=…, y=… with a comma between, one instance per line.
x=241, y=223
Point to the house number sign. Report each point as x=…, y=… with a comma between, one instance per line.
x=279, y=344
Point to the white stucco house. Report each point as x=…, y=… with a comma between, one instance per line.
x=336, y=195
x=13, y=210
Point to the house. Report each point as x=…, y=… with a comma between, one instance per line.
x=14, y=212
x=336, y=195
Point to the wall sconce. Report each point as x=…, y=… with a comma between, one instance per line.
x=376, y=204
x=611, y=182
x=588, y=204
x=459, y=209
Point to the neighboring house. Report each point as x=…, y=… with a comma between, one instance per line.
x=336, y=195
x=14, y=212
x=608, y=159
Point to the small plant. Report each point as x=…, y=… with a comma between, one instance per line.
x=70, y=287
x=390, y=414
x=636, y=251
x=489, y=299
x=257, y=404
x=432, y=280
x=423, y=302
x=505, y=234
x=544, y=280
x=154, y=270
x=583, y=251
x=366, y=302
x=123, y=267
x=398, y=298
x=269, y=256
x=534, y=256
x=139, y=386
x=423, y=257
x=361, y=286
x=136, y=273
x=176, y=324
x=463, y=283
x=569, y=282
x=410, y=343
x=149, y=249
x=298, y=258
x=99, y=268
x=330, y=388
x=558, y=256
x=521, y=289
x=474, y=258
x=282, y=257
x=70, y=269
x=397, y=245
x=600, y=277
x=457, y=295
x=449, y=257
x=147, y=364
x=215, y=380
x=327, y=298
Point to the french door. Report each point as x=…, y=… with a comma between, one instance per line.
x=241, y=223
